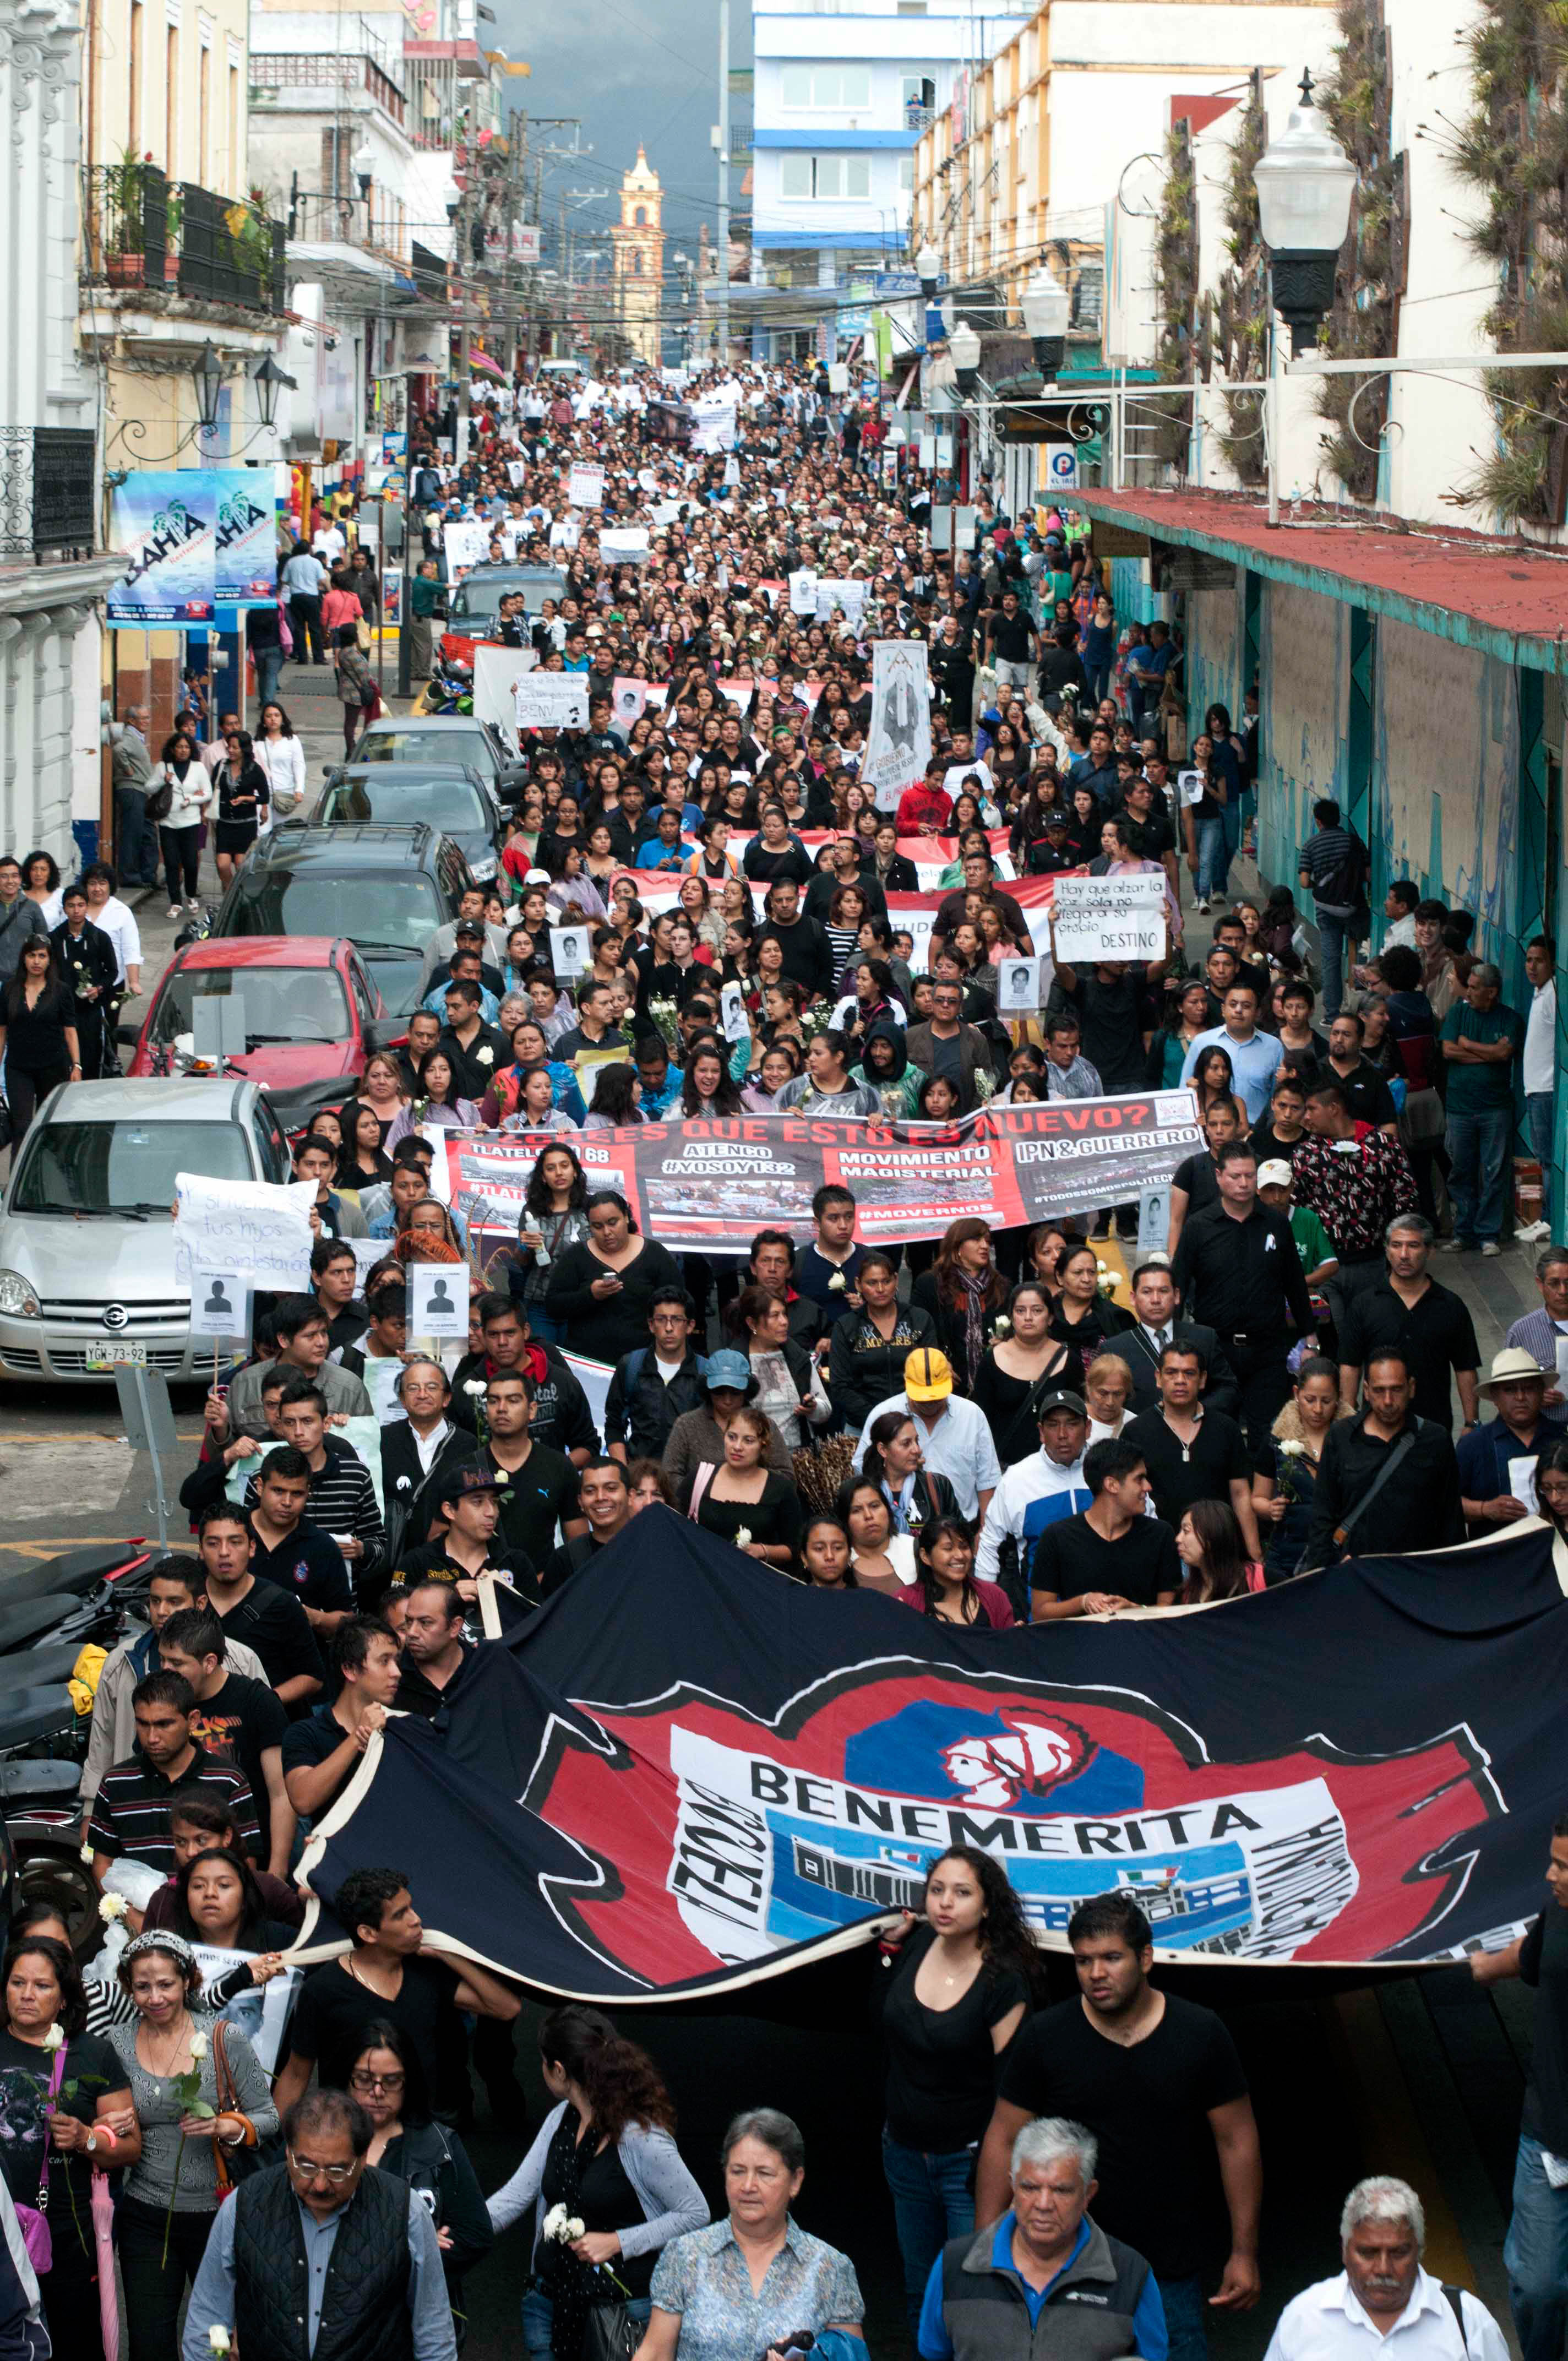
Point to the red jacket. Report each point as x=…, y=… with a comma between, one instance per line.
x=923, y=809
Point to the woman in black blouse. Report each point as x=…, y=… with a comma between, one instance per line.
x=1085, y=1316
x=242, y=789
x=954, y=1985
x=602, y=1290
x=38, y=1035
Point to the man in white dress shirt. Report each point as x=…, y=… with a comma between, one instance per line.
x=1382, y=2297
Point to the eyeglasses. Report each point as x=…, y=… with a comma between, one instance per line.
x=309, y=2170
x=357, y=2081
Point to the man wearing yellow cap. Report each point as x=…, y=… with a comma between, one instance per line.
x=955, y=1437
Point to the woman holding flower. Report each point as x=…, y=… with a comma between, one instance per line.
x=1013, y=1369
x=1287, y=1473
x=62, y=2091
x=189, y=2128
x=605, y=2179
x=746, y=1502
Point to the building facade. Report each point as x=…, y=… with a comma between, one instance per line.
x=639, y=260
x=52, y=571
x=840, y=100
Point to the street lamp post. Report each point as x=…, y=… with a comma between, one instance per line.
x=1305, y=183
x=1047, y=311
x=929, y=269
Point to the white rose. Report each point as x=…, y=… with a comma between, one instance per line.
x=554, y=2221
x=198, y=2047
x=743, y=1538
x=54, y=2038
x=218, y=2337
x=111, y=1907
x=87, y=1854
x=484, y=1057
x=575, y=2227
x=837, y=1283
x=405, y=1483
x=474, y=1386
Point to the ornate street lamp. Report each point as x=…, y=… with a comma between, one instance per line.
x=1305, y=183
x=1047, y=309
x=207, y=374
x=929, y=269
x=964, y=346
x=266, y=379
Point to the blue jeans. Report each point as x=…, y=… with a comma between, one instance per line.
x=1535, y=2254
x=1478, y=1155
x=1331, y=940
x=136, y=839
x=1231, y=838
x=268, y=664
x=539, y=2312
x=933, y=2201
x=1211, y=854
x=1538, y=1110
x=1186, y=2318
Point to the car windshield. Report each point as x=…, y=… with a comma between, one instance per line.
x=391, y=913
x=435, y=746
x=281, y=1004
x=121, y=1168
x=448, y=803
x=478, y=600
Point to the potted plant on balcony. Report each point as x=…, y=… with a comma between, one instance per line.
x=250, y=238
x=124, y=190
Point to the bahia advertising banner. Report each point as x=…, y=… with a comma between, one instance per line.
x=166, y=527
x=245, y=554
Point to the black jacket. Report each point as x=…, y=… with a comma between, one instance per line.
x=639, y=1408
x=1221, y=1393
x=407, y=1490
x=1417, y=1509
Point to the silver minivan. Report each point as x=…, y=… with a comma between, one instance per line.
x=87, y=1265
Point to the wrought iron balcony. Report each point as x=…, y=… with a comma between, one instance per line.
x=175, y=237
x=47, y=492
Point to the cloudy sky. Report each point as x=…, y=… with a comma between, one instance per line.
x=636, y=72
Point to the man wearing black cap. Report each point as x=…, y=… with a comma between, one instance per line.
x=1035, y=1493
x=466, y=1512
x=1049, y=857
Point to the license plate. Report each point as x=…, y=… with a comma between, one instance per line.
x=115, y=1353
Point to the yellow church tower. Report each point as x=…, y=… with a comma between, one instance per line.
x=640, y=259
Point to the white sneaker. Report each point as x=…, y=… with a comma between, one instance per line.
x=1529, y=1233
x=1490, y=1247
x=175, y=911
x=1201, y=907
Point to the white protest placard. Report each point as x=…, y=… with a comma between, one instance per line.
x=648, y=479
x=584, y=485
x=438, y=1300
x=1154, y=1219
x=803, y=592
x=551, y=701
x=732, y=1013
x=626, y=545
x=1108, y=918
x=256, y=1228
x=220, y=1303
x=466, y=540
x=571, y=952
x=898, y=742
x=1017, y=985
x=496, y=671
x=1190, y=785
x=732, y=469
x=629, y=700
x=517, y=469
x=664, y=512
x=841, y=592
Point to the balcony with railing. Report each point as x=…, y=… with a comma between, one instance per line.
x=282, y=77
x=376, y=225
x=175, y=239
x=47, y=493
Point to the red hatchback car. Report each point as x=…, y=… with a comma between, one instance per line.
x=312, y=1017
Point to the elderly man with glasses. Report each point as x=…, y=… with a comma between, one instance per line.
x=326, y=2236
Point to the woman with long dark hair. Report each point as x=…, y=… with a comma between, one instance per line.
x=707, y=1086
x=954, y=1983
x=388, y=2082
x=617, y=1099
x=916, y=1496
x=57, y=2093
x=1016, y=1367
x=600, y=1287
x=607, y=2153
x=946, y=1587
x=244, y=794
x=553, y=1217
x=1209, y=1543
x=38, y=1035
x=963, y=1291
x=362, y=1160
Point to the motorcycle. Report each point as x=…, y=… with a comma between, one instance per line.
x=84, y=1598
x=451, y=689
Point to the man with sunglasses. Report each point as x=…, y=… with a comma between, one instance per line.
x=355, y=2245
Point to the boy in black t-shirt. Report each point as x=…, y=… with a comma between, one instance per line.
x=387, y=1974
x=262, y=1614
x=235, y=1719
x=1114, y=1555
